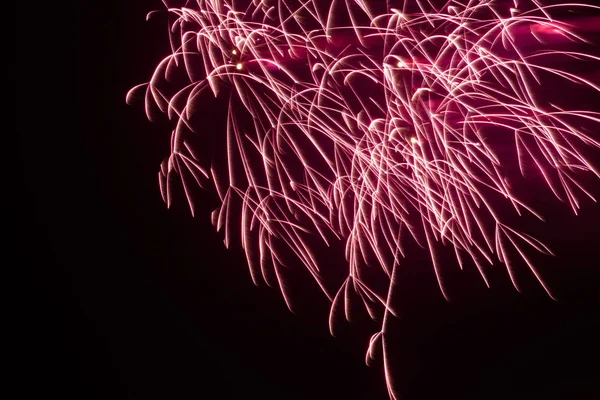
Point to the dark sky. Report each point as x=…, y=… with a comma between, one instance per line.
x=144, y=302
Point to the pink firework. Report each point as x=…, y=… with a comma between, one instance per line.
x=369, y=125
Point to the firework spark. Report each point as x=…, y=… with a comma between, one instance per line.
x=369, y=127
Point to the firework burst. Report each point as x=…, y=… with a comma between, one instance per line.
x=366, y=126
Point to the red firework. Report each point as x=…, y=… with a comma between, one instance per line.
x=366, y=126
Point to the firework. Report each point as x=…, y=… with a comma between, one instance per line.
x=371, y=126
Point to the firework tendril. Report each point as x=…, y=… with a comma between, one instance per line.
x=369, y=127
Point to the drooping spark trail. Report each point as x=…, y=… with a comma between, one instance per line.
x=370, y=126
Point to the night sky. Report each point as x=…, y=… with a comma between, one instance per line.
x=146, y=303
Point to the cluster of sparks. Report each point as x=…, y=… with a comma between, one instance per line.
x=369, y=128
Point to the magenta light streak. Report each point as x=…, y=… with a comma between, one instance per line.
x=371, y=126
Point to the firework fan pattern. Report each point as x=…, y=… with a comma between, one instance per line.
x=371, y=127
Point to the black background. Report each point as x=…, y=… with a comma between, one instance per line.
x=143, y=302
